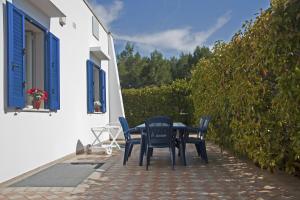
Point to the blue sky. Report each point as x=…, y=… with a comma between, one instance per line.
x=174, y=26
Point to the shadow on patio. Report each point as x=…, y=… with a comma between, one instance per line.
x=225, y=177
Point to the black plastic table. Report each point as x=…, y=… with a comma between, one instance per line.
x=181, y=130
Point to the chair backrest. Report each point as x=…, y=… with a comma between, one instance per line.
x=159, y=131
x=203, y=124
x=125, y=127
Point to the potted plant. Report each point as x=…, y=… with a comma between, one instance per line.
x=97, y=105
x=37, y=97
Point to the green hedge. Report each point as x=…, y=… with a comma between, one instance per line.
x=251, y=87
x=171, y=100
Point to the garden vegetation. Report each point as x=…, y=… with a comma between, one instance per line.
x=250, y=86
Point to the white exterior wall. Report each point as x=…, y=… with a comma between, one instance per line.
x=31, y=139
x=115, y=94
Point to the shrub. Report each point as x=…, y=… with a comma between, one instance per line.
x=171, y=100
x=251, y=87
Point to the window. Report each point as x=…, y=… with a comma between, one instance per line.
x=96, y=89
x=32, y=60
x=96, y=79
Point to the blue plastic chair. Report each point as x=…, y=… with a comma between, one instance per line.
x=129, y=142
x=160, y=135
x=199, y=141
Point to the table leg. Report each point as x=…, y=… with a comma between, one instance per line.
x=114, y=144
x=97, y=136
x=94, y=142
x=142, y=149
x=114, y=141
x=184, y=156
x=116, y=137
x=182, y=148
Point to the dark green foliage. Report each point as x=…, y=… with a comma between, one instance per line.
x=130, y=67
x=172, y=100
x=251, y=87
x=137, y=71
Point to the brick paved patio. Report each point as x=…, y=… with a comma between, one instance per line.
x=225, y=177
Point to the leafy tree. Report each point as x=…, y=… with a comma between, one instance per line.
x=199, y=53
x=137, y=71
x=182, y=67
x=129, y=67
x=160, y=69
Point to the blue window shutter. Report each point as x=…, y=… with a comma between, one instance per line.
x=15, y=57
x=52, y=83
x=103, y=90
x=90, y=86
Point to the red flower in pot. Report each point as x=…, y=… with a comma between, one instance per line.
x=38, y=96
x=97, y=106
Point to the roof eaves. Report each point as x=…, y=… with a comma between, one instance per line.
x=91, y=9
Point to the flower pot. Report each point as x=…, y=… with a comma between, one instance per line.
x=36, y=104
x=97, y=109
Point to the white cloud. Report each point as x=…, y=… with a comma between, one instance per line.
x=108, y=14
x=178, y=39
x=181, y=39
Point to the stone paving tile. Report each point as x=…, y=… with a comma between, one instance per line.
x=225, y=177
x=54, y=193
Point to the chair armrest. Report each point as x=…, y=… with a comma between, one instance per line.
x=193, y=130
x=132, y=130
x=197, y=131
x=129, y=132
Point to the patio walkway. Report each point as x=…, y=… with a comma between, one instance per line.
x=225, y=177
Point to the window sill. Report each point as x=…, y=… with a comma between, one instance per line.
x=97, y=113
x=41, y=110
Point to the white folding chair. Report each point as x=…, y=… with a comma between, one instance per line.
x=98, y=132
x=114, y=130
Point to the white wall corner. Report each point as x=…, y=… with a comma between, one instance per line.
x=115, y=95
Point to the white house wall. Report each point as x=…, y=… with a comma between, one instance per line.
x=30, y=9
x=31, y=139
x=115, y=95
